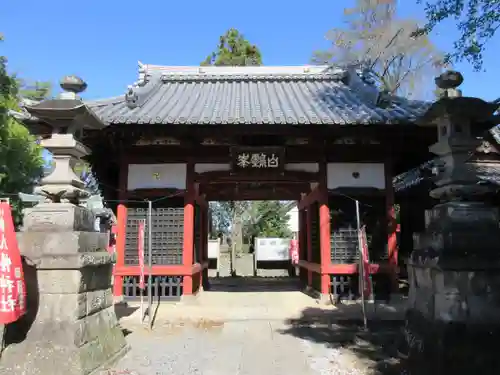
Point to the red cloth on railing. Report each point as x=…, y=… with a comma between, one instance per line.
x=365, y=263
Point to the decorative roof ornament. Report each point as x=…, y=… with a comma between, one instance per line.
x=360, y=80
x=367, y=75
x=131, y=95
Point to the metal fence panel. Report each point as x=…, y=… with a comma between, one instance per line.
x=167, y=235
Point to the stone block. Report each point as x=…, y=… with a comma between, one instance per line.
x=75, y=261
x=66, y=281
x=58, y=217
x=98, y=300
x=69, y=307
x=436, y=347
x=36, y=244
x=450, y=307
x=53, y=350
x=88, y=328
x=63, y=307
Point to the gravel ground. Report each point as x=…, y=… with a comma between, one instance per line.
x=232, y=348
x=247, y=326
x=256, y=333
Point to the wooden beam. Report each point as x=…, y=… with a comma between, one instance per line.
x=343, y=269
x=155, y=193
x=310, y=198
x=162, y=270
x=221, y=154
x=242, y=191
x=286, y=176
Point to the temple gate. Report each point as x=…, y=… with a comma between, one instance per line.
x=183, y=136
x=321, y=136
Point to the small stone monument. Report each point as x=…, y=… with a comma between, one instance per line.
x=71, y=327
x=453, y=317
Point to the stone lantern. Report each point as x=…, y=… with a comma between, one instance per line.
x=453, y=316
x=69, y=117
x=70, y=326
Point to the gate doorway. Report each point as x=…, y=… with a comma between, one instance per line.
x=250, y=246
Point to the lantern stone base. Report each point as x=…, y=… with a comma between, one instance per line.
x=70, y=327
x=453, y=320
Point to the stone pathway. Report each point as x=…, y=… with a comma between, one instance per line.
x=250, y=333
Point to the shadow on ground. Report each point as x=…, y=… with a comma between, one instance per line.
x=376, y=347
x=246, y=284
x=123, y=310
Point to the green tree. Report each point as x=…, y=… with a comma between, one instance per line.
x=271, y=219
x=36, y=90
x=234, y=50
x=375, y=38
x=478, y=20
x=20, y=156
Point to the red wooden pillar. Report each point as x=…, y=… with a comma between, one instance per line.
x=302, y=233
x=309, y=243
x=324, y=238
x=206, y=233
x=188, y=244
x=392, y=245
x=121, y=228
x=324, y=228
x=201, y=245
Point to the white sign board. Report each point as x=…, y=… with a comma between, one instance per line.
x=272, y=249
x=213, y=249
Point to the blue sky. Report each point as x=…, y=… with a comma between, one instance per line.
x=101, y=41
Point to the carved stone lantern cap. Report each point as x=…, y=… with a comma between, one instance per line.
x=449, y=80
x=457, y=107
x=73, y=84
x=67, y=109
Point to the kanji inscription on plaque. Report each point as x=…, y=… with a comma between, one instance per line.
x=257, y=159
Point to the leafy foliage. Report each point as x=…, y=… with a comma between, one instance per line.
x=374, y=38
x=20, y=156
x=271, y=219
x=234, y=50
x=221, y=218
x=258, y=218
x=478, y=20
x=36, y=90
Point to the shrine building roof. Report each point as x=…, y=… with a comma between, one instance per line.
x=254, y=95
x=485, y=172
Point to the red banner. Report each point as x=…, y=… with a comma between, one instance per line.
x=294, y=251
x=12, y=287
x=365, y=262
x=140, y=249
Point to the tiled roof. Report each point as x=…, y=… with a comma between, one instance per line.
x=486, y=172
x=412, y=177
x=253, y=95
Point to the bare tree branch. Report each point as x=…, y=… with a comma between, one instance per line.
x=376, y=39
